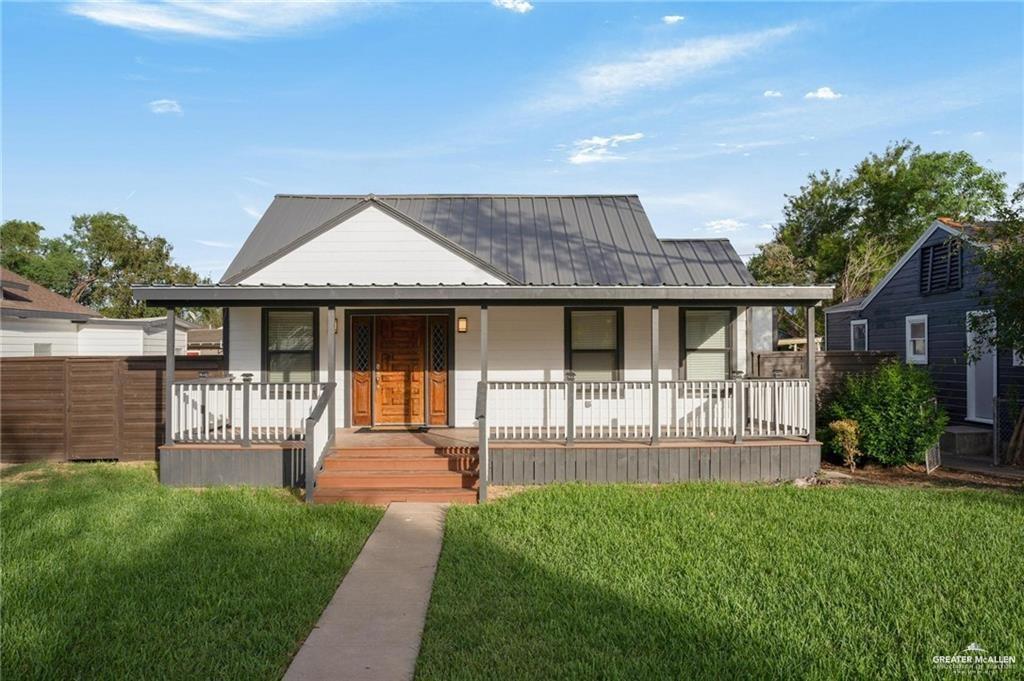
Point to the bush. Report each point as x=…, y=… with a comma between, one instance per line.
x=846, y=438
x=895, y=410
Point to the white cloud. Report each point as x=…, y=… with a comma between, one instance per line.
x=517, y=6
x=673, y=19
x=772, y=93
x=252, y=212
x=256, y=181
x=977, y=133
x=598, y=149
x=940, y=133
x=608, y=81
x=165, y=106
x=823, y=93
x=725, y=225
x=211, y=19
x=215, y=244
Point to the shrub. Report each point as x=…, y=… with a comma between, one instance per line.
x=846, y=436
x=895, y=410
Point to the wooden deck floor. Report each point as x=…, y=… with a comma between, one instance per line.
x=469, y=437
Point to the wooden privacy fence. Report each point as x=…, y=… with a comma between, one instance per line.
x=832, y=366
x=88, y=407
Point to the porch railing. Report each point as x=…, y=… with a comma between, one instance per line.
x=218, y=411
x=243, y=412
x=624, y=410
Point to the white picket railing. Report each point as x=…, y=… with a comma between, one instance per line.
x=622, y=410
x=697, y=409
x=777, y=407
x=218, y=411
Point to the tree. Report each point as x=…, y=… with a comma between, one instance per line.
x=849, y=230
x=97, y=262
x=1001, y=258
x=50, y=262
x=775, y=264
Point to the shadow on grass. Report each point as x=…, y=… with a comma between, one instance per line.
x=524, y=593
x=108, y=575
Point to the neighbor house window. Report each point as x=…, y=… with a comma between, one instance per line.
x=859, y=334
x=706, y=344
x=917, y=339
x=594, y=343
x=941, y=266
x=290, y=346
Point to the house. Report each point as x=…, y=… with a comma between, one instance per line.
x=524, y=330
x=919, y=310
x=36, y=322
x=205, y=342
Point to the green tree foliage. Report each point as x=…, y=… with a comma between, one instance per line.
x=1001, y=258
x=97, y=262
x=50, y=262
x=895, y=412
x=849, y=229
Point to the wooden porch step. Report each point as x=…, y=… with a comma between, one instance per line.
x=395, y=479
x=415, y=451
x=431, y=462
x=384, y=496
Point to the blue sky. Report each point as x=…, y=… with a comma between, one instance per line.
x=188, y=117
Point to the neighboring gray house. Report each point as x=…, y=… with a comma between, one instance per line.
x=920, y=310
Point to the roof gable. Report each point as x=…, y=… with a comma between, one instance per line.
x=371, y=243
x=862, y=303
x=542, y=240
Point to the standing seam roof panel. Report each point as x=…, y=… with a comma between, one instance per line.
x=534, y=239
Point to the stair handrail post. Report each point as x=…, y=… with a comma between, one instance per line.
x=310, y=463
x=483, y=451
x=246, y=389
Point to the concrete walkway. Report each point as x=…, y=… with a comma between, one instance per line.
x=372, y=627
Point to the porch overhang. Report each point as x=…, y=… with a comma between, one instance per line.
x=241, y=295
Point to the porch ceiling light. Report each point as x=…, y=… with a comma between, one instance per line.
x=462, y=325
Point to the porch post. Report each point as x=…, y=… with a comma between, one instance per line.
x=332, y=361
x=655, y=357
x=811, y=375
x=483, y=445
x=169, y=381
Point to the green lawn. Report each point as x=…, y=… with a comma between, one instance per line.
x=106, y=574
x=715, y=581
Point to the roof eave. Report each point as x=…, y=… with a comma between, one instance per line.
x=362, y=295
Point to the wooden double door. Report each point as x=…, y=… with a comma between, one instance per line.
x=400, y=366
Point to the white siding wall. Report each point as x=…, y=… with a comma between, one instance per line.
x=154, y=341
x=18, y=336
x=371, y=248
x=97, y=339
x=525, y=344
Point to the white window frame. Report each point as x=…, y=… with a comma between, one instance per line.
x=859, y=322
x=1018, y=358
x=908, y=321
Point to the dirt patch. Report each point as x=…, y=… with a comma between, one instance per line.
x=915, y=476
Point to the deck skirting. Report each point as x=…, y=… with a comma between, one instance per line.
x=259, y=465
x=740, y=463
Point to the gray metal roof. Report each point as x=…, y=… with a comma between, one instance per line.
x=539, y=240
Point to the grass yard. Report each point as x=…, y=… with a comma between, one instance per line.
x=716, y=581
x=106, y=574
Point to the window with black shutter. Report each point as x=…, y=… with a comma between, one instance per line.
x=941, y=268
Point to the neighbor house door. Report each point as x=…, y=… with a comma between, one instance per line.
x=981, y=378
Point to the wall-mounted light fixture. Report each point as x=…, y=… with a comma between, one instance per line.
x=462, y=325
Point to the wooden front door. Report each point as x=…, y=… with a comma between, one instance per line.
x=400, y=366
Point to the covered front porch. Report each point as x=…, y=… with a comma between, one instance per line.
x=534, y=384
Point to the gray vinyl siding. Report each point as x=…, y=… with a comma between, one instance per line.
x=947, y=328
x=837, y=330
